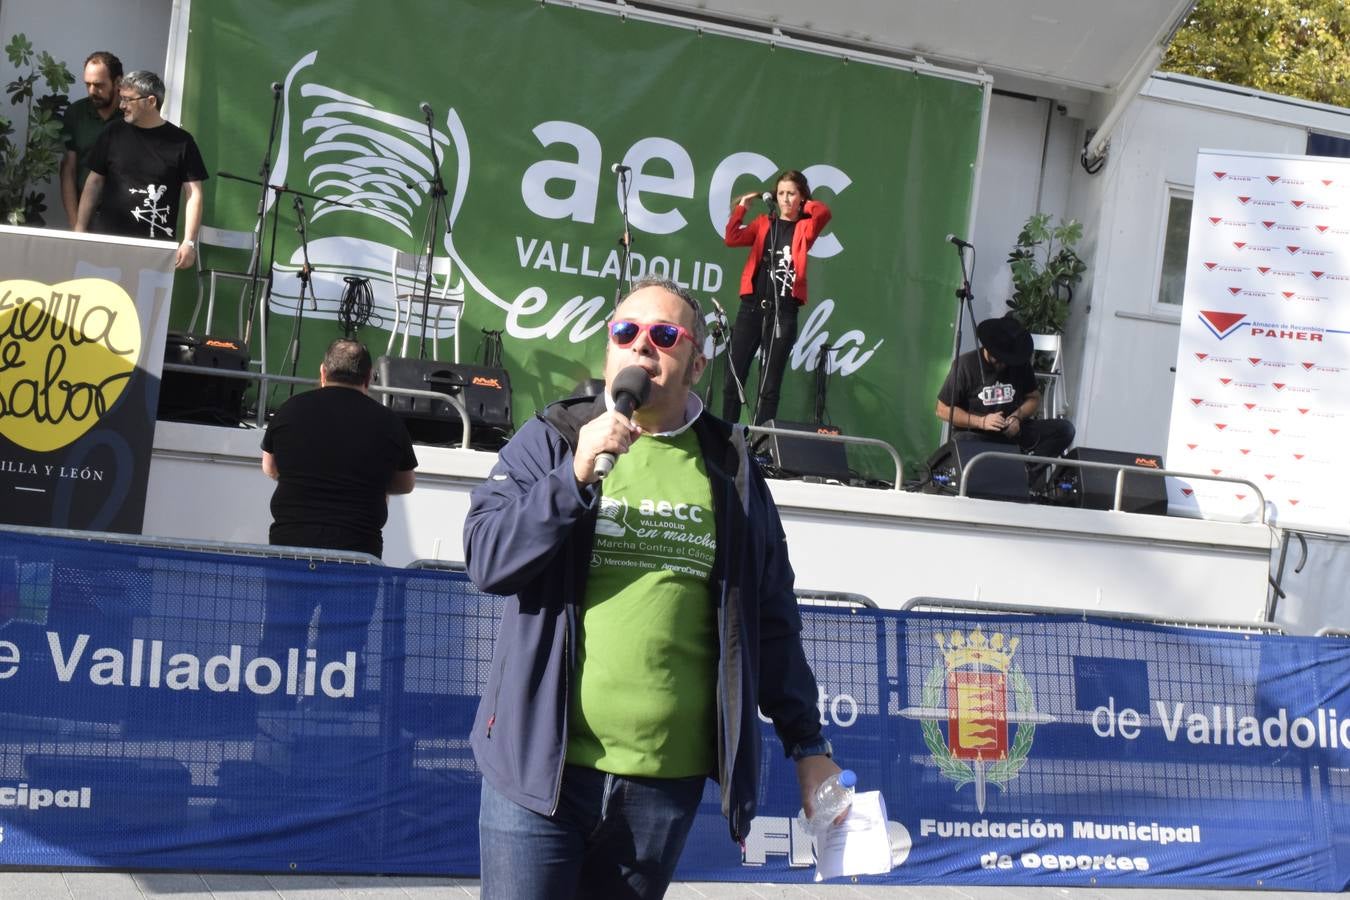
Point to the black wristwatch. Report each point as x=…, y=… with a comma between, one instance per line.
x=817, y=746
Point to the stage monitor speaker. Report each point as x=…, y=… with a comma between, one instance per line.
x=486, y=393
x=810, y=457
x=1096, y=488
x=208, y=399
x=993, y=479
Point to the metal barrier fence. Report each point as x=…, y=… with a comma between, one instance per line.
x=838, y=439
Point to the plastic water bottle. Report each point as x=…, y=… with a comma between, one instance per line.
x=832, y=797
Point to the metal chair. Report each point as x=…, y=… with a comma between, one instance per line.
x=409, y=275
x=1051, y=377
x=208, y=278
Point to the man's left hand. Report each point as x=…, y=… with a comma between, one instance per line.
x=811, y=771
x=1012, y=426
x=185, y=257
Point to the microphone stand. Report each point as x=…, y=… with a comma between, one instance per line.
x=304, y=274
x=766, y=347
x=720, y=334
x=255, y=258
x=625, y=239
x=437, y=192
x=965, y=304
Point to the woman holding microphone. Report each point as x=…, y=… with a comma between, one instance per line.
x=773, y=286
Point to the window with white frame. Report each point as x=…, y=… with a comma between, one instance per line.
x=1176, y=238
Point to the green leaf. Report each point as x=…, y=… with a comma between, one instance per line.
x=19, y=50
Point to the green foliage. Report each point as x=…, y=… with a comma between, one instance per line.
x=34, y=159
x=1291, y=47
x=1045, y=269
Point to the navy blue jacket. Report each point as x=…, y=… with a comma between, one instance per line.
x=528, y=534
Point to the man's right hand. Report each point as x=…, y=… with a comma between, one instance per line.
x=611, y=432
x=994, y=421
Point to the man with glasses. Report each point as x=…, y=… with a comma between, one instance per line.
x=138, y=170
x=84, y=121
x=646, y=626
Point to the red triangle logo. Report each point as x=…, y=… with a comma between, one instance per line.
x=1243, y=200
x=1220, y=425
x=1270, y=476
x=1293, y=502
x=1211, y=266
x=1316, y=274
x=1292, y=248
x=1299, y=455
x=1240, y=496
x=1273, y=430
x=1308, y=366
x=1287, y=294
x=1322, y=228
x=1239, y=244
x=1297, y=203
x=1273, y=179
x=1263, y=269
x=1220, y=175
x=1326, y=182
x=1221, y=321
x=1217, y=471
x=1215, y=220
x=1254, y=360
x=1187, y=491
x=1244, y=452
x=1302, y=411
x=1268, y=223
x=1201, y=356
x=1192, y=446
x=1278, y=385
x=1226, y=380
x=1235, y=291
x=1250, y=406
x=1197, y=400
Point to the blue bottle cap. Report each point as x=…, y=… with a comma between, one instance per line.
x=847, y=778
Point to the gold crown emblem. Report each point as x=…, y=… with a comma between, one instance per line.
x=974, y=648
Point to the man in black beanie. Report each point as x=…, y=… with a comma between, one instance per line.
x=991, y=393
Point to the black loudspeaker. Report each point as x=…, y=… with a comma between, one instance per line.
x=1096, y=488
x=212, y=400
x=993, y=479
x=486, y=393
x=807, y=456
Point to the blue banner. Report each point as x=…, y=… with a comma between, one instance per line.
x=170, y=709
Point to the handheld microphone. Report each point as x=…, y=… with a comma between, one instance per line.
x=276, y=87
x=620, y=169
x=631, y=388
x=957, y=242
x=426, y=111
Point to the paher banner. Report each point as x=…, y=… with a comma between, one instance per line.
x=82, y=329
x=1263, y=387
x=533, y=104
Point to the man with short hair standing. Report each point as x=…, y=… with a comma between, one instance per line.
x=83, y=122
x=138, y=169
x=647, y=625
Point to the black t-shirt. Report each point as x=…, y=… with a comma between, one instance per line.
x=145, y=169
x=981, y=390
x=336, y=450
x=776, y=273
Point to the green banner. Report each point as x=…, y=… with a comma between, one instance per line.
x=532, y=105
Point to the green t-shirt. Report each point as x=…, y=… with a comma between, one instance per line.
x=80, y=128
x=644, y=695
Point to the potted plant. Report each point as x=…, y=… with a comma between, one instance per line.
x=1045, y=269
x=33, y=159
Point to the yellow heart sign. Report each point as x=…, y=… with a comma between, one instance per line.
x=67, y=351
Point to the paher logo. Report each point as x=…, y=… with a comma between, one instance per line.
x=975, y=674
x=1221, y=324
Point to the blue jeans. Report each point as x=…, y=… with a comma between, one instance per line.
x=612, y=838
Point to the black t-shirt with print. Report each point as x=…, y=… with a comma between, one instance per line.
x=982, y=389
x=144, y=171
x=776, y=259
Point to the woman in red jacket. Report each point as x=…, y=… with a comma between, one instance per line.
x=773, y=286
